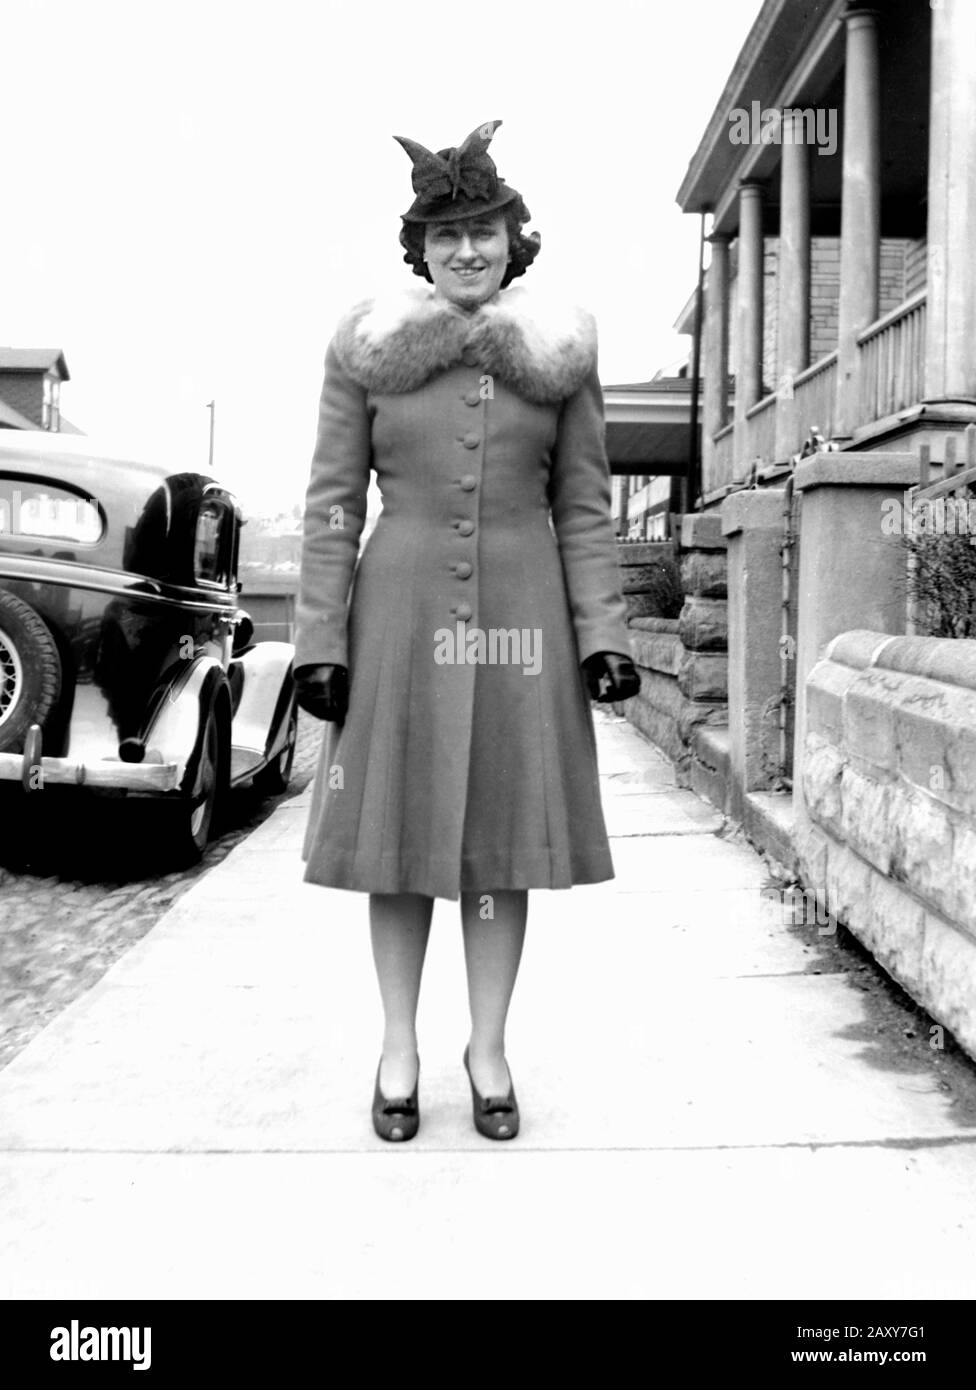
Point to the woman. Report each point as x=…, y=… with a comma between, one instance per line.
x=459, y=759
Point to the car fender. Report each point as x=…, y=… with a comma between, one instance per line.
x=261, y=719
x=176, y=732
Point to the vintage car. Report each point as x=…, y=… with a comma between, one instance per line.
x=126, y=662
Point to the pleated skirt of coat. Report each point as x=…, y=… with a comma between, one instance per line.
x=456, y=777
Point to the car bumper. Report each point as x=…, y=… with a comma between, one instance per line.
x=136, y=777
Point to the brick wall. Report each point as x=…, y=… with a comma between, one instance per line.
x=915, y=266
x=902, y=263
x=824, y=295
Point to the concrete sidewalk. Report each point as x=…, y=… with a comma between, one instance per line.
x=701, y=1117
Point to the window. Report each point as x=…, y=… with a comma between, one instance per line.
x=212, y=551
x=35, y=507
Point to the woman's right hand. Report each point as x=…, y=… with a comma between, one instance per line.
x=323, y=691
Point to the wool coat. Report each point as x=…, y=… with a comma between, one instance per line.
x=467, y=758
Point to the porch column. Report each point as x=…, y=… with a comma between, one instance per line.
x=748, y=319
x=793, y=275
x=715, y=390
x=860, y=212
x=950, y=362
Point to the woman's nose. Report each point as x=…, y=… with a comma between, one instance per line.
x=466, y=249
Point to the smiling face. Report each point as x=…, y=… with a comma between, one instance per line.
x=467, y=259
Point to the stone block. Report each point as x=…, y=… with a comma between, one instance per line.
x=857, y=647
x=661, y=691
x=827, y=684
x=654, y=624
x=891, y=924
x=695, y=713
x=704, y=676
x=657, y=651
x=865, y=816
x=920, y=838
x=947, y=979
x=705, y=572
x=935, y=734
x=643, y=605
x=702, y=531
x=823, y=767
x=812, y=852
x=640, y=579
x=704, y=624
x=643, y=552
x=869, y=720
x=959, y=887
x=660, y=725
x=847, y=883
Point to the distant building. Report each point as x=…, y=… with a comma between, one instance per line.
x=648, y=436
x=30, y=389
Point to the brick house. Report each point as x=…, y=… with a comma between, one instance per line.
x=30, y=389
x=837, y=168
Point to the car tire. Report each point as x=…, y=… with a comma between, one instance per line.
x=30, y=672
x=191, y=817
x=273, y=779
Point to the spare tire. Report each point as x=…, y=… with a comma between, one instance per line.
x=30, y=671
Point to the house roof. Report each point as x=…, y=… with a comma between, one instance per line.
x=11, y=419
x=33, y=360
x=783, y=33
x=647, y=425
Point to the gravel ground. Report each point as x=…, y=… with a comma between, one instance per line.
x=81, y=880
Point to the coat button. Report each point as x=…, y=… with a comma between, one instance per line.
x=471, y=441
x=462, y=611
x=466, y=528
x=470, y=356
x=469, y=482
x=463, y=569
x=471, y=397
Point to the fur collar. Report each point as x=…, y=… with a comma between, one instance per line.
x=395, y=344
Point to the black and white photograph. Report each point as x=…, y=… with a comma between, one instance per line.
x=488, y=669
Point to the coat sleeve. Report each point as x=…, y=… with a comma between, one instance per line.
x=580, y=502
x=335, y=511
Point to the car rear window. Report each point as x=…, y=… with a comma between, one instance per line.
x=38, y=509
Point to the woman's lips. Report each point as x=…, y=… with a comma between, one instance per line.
x=468, y=273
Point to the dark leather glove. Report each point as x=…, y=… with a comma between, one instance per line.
x=323, y=691
x=610, y=677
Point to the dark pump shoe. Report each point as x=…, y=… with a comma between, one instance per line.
x=399, y=1119
x=495, y=1117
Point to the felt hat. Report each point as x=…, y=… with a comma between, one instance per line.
x=458, y=182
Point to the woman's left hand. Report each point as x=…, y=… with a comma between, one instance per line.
x=610, y=677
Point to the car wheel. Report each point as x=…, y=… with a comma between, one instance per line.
x=30, y=671
x=273, y=779
x=191, y=817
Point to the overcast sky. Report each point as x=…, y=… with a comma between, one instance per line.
x=193, y=192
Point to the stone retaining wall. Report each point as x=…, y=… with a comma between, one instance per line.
x=889, y=784
x=683, y=661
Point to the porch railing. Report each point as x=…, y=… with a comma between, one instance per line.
x=813, y=405
x=892, y=357
x=723, y=458
x=761, y=421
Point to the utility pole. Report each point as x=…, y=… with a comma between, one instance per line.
x=211, y=406
x=693, y=487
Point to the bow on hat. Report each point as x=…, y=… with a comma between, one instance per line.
x=467, y=169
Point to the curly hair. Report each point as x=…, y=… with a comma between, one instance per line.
x=522, y=250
